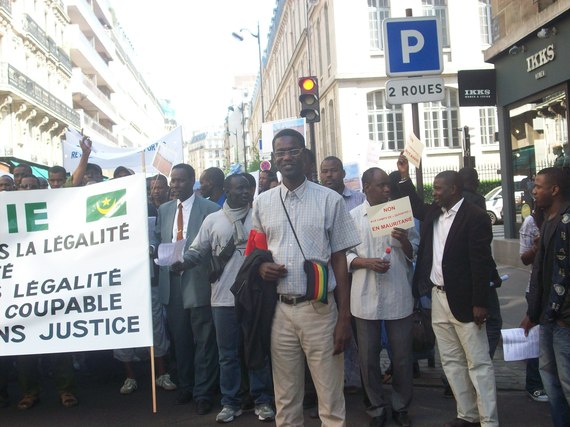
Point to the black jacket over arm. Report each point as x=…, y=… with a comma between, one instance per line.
x=255, y=301
x=467, y=259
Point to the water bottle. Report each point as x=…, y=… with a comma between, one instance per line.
x=386, y=256
x=503, y=278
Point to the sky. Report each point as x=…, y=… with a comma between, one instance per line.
x=187, y=54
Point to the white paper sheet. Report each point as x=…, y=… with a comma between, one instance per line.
x=518, y=347
x=169, y=253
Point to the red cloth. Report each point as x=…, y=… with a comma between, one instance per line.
x=256, y=240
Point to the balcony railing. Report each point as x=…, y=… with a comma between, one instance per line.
x=6, y=5
x=36, y=32
x=102, y=130
x=64, y=59
x=53, y=51
x=29, y=88
x=99, y=94
x=46, y=42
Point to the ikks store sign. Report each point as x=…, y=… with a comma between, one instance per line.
x=542, y=57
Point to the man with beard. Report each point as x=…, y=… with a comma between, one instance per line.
x=332, y=176
x=548, y=300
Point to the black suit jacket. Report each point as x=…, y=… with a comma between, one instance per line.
x=467, y=259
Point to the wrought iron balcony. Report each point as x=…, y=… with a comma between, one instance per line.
x=36, y=32
x=6, y=6
x=29, y=89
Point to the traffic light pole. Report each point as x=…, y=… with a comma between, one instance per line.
x=312, y=142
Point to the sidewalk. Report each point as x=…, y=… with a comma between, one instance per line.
x=510, y=376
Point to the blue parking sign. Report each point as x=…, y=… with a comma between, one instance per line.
x=412, y=46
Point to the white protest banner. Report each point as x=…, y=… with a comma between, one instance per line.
x=109, y=156
x=74, y=268
x=269, y=129
x=395, y=213
x=413, y=150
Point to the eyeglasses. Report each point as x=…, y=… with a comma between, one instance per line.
x=29, y=186
x=293, y=153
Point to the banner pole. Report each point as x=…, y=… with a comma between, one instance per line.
x=153, y=379
x=143, y=159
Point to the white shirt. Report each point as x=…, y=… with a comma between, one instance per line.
x=441, y=229
x=380, y=296
x=214, y=235
x=186, y=209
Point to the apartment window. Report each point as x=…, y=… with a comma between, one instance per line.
x=485, y=21
x=385, y=122
x=438, y=8
x=441, y=122
x=488, y=125
x=378, y=10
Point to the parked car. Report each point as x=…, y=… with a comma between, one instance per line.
x=494, y=200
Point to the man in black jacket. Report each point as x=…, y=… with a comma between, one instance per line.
x=453, y=264
x=548, y=300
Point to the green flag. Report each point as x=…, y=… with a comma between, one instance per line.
x=106, y=205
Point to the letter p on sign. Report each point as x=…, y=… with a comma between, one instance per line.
x=407, y=48
x=412, y=46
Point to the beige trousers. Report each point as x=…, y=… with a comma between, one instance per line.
x=464, y=353
x=306, y=330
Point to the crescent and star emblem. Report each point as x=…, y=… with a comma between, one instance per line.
x=107, y=205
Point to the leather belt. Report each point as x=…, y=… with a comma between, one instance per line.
x=292, y=299
x=439, y=288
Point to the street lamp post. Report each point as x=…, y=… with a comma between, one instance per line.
x=256, y=35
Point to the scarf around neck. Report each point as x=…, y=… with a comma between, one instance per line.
x=237, y=217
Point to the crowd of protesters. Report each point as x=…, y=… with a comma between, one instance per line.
x=284, y=279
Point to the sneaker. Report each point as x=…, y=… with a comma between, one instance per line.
x=165, y=382
x=129, y=386
x=265, y=412
x=227, y=415
x=538, y=396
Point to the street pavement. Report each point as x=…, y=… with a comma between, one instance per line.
x=101, y=403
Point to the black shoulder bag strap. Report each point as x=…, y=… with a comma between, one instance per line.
x=291, y=224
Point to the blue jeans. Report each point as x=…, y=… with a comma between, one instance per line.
x=228, y=337
x=533, y=380
x=554, y=365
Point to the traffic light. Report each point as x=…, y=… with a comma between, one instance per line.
x=309, y=99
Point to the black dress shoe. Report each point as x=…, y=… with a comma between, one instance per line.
x=378, y=421
x=184, y=397
x=459, y=422
x=203, y=407
x=402, y=418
